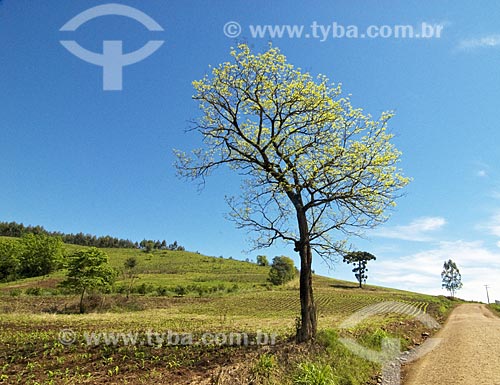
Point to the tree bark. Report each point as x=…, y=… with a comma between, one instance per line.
x=308, y=325
x=82, y=310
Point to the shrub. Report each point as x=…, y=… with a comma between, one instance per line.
x=314, y=374
x=33, y=291
x=144, y=289
x=180, y=290
x=200, y=290
x=15, y=292
x=327, y=338
x=265, y=365
x=374, y=339
x=162, y=291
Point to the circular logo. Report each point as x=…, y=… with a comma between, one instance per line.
x=232, y=29
x=67, y=337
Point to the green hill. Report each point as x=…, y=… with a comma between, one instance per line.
x=183, y=292
x=240, y=288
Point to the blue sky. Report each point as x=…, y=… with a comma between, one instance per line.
x=76, y=158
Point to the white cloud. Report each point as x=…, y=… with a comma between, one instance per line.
x=482, y=42
x=421, y=271
x=492, y=226
x=482, y=173
x=417, y=230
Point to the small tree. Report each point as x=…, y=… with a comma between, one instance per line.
x=282, y=270
x=149, y=246
x=130, y=274
x=452, y=279
x=88, y=270
x=175, y=247
x=359, y=259
x=262, y=260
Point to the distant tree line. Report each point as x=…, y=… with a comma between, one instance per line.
x=13, y=229
x=150, y=245
x=18, y=230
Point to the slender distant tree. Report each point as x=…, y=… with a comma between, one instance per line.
x=130, y=274
x=149, y=246
x=359, y=259
x=451, y=277
x=262, y=260
x=311, y=164
x=89, y=270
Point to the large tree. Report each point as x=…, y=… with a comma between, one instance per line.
x=452, y=279
x=311, y=163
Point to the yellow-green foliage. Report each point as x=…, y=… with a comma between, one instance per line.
x=301, y=145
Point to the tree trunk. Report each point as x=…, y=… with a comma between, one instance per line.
x=308, y=325
x=82, y=310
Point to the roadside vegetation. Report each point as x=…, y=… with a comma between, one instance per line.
x=495, y=307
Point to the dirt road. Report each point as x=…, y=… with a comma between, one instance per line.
x=469, y=352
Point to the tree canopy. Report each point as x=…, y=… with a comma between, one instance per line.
x=282, y=270
x=87, y=270
x=39, y=255
x=359, y=259
x=9, y=260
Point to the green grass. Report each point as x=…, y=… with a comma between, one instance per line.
x=173, y=268
x=495, y=308
x=221, y=295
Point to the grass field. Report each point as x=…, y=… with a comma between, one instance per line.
x=495, y=308
x=215, y=332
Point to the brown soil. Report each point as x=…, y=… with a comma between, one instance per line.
x=468, y=353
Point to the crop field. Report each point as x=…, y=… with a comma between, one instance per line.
x=227, y=314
